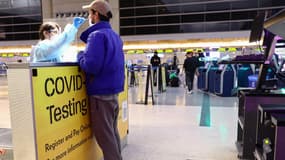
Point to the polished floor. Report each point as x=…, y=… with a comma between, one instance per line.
x=179, y=126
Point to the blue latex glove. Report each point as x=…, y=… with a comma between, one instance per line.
x=78, y=21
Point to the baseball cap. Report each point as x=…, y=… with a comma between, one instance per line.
x=100, y=6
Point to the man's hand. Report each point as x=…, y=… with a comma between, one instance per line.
x=2, y=151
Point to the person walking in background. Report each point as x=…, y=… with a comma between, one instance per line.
x=190, y=68
x=52, y=42
x=155, y=62
x=201, y=58
x=103, y=63
x=175, y=63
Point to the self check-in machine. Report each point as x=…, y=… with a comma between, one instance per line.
x=225, y=80
x=211, y=76
x=202, y=78
x=242, y=75
x=205, y=77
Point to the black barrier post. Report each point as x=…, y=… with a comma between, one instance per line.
x=159, y=79
x=149, y=82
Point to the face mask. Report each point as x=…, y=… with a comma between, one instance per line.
x=90, y=22
x=54, y=37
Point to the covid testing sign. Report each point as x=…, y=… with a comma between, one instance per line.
x=61, y=114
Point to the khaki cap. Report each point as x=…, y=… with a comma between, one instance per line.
x=100, y=6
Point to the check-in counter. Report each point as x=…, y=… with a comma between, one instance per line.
x=50, y=114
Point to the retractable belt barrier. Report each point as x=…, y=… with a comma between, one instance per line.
x=142, y=77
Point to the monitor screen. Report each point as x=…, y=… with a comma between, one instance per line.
x=257, y=27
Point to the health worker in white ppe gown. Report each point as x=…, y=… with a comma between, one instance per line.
x=53, y=43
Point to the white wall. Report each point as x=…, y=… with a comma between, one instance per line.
x=51, y=7
x=47, y=9
x=24, y=3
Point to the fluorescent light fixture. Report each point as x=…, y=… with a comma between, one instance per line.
x=187, y=45
x=280, y=44
x=15, y=50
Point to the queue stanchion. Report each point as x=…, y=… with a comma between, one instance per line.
x=149, y=84
x=161, y=79
x=155, y=78
x=140, y=76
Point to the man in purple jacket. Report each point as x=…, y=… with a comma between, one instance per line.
x=103, y=63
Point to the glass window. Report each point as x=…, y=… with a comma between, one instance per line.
x=243, y=15
x=214, y=27
x=236, y=26
x=185, y=1
x=34, y=35
x=8, y=37
x=243, y=5
x=188, y=28
x=21, y=28
x=5, y=4
x=145, y=3
x=192, y=8
x=218, y=6
x=127, y=31
x=175, y=1
x=127, y=12
x=169, y=9
x=217, y=17
x=278, y=3
x=184, y=16
x=21, y=20
x=127, y=22
x=146, y=21
x=273, y=12
x=193, y=18
x=168, y=19
x=7, y=29
x=21, y=36
x=36, y=18
x=35, y=27
x=272, y=3
x=126, y=3
x=168, y=29
x=7, y=20
x=146, y=30
x=145, y=11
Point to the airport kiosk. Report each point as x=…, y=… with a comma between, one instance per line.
x=225, y=80
x=50, y=114
x=211, y=76
x=242, y=75
x=202, y=81
x=206, y=76
x=264, y=93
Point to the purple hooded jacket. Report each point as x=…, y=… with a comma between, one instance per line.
x=102, y=60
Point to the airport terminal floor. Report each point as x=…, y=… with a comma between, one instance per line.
x=179, y=126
